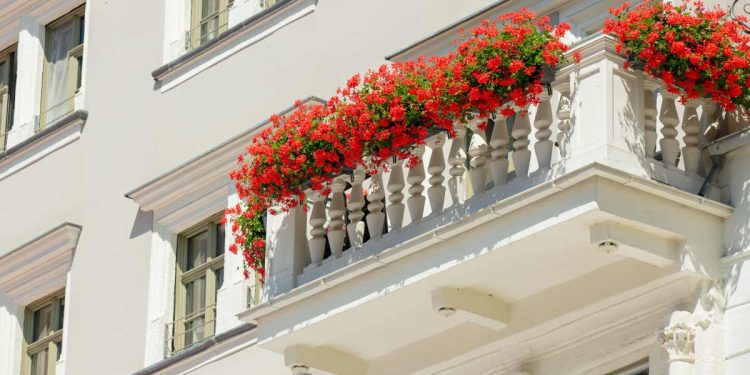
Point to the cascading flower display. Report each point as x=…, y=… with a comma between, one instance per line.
x=385, y=113
x=696, y=51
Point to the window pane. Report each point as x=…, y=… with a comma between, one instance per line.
x=220, y=235
x=39, y=363
x=7, y=78
x=4, y=72
x=61, y=315
x=195, y=296
x=209, y=8
x=42, y=323
x=79, y=72
x=197, y=249
x=61, y=40
x=194, y=330
x=59, y=349
x=81, y=29
x=219, y=278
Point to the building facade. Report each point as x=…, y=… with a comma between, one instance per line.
x=612, y=241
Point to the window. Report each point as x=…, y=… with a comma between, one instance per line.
x=43, y=335
x=7, y=91
x=208, y=18
x=63, y=68
x=199, y=275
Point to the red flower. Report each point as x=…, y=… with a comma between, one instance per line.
x=381, y=114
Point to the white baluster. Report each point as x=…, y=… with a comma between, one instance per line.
x=563, y=116
x=649, y=111
x=415, y=177
x=396, y=186
x=317, y=243
x=521, y=153
x=478, y=152
x=499, y=153
x=542, y=122
x=376, y=217
x=436, y=166
x=456, y=159
x=336, y=214
x=692, y=127
x=670, y=147
x=356, y=227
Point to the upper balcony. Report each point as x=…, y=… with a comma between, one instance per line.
x=597, y=207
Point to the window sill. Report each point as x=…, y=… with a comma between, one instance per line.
x=55, y=136
x=238, y=37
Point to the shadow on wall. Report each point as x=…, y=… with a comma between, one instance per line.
x=737, y=228
x=143, y=223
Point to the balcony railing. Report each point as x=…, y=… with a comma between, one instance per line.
x=597, y=113
x=193, y=328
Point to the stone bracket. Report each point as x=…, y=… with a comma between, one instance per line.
x=477, y=307
x=321, y=360
x=635, y=243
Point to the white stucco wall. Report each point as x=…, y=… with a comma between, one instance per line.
x=135, y=132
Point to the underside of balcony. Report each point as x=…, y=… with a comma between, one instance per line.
x=593, y=249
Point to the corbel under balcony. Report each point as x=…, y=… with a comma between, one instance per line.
x=40, y=266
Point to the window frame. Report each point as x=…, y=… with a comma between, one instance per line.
x=7, y=93
x=57, y=301
x=208, y=269
x=75, y=61
x=195, y=37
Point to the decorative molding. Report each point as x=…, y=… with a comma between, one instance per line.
x=40, y=266
x=43, y=12
x=210, y=168
x=55, y=136
x=679, y=342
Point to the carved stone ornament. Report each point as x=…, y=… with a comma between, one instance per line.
x=679, y=342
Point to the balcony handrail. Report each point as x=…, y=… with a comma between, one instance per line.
x=170, y=337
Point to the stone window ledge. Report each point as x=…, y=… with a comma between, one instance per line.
x=229, y=42
x=56, y=135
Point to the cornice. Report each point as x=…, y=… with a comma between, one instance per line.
x=203, y=170
x=39, y=266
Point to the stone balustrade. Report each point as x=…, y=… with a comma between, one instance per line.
x=597, y=112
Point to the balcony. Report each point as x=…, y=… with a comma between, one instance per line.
x=584, y=213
